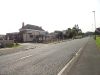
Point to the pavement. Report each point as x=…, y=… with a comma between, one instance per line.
x=46, y=60
x=89, y=61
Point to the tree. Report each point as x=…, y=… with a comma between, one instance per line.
x=76, y=31
x=69, y=33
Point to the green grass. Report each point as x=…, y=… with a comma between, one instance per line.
x=16, y=45
x=98, y=41
x=13, y=45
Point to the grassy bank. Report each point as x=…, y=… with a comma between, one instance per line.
x=98, y=41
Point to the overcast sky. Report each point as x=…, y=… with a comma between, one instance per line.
x=50, y=14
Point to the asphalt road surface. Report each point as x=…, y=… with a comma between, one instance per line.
x=48, y=60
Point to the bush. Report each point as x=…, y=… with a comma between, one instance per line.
x=10, y=45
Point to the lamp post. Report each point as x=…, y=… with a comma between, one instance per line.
x=94, y=24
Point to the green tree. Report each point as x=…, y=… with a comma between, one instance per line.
x=69, y=33
x=76, y=31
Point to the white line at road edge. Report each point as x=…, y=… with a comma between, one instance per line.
x=70, y=63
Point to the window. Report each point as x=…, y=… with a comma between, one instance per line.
x=31, y=36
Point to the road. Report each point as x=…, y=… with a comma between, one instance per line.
x=48, y=60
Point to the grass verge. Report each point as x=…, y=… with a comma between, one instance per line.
x=98, y=41
x=13, y=45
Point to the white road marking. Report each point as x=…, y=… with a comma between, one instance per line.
x=69, y=63
x=25, y=57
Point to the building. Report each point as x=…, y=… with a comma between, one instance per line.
x=32, y=33
x=13, y=36
x=2, y=37
x=97, y=31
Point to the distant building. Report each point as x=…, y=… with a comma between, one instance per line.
x=51, y=36
x=98, y=31
x=13, y=36
x=64, y=32
x=2, y=37
x=32, y=33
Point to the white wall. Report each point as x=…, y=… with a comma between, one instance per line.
x=27, y=38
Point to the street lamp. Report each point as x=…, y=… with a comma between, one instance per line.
x=94, y=24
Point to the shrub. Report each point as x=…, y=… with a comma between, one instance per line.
x=10, y=45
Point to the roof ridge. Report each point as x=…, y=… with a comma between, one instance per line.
x=30, y=26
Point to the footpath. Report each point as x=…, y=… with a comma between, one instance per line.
x=88, y=62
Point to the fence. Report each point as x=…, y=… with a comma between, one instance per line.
x=4, y=43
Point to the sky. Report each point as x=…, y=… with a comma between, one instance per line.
x=49, y=14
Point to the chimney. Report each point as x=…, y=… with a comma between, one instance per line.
x=22, y=24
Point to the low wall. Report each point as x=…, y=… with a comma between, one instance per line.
x=4, y=43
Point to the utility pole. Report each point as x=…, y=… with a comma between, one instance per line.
x=94, y=24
